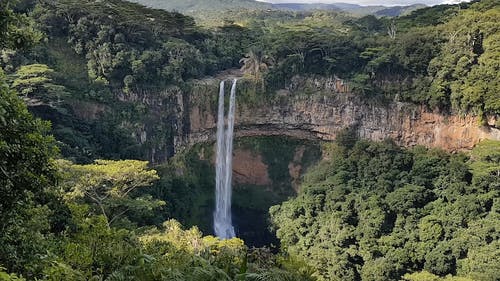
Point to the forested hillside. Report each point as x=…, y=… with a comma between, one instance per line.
x=373, y=211
x=92, y=54
x=218, y=7
x=426, y=57
x=95, y=98
x=353, y=9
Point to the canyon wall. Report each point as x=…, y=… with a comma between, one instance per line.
x=311, y=108
x=323, y=112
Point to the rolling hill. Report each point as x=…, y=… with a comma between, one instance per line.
x=352, y=8
x=193, y=6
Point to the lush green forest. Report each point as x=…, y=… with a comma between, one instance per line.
x=79, y=201
x=373, y=211
x=64, y=221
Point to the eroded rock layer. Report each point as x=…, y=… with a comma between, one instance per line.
x=322, y=115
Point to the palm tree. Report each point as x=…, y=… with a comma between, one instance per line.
x=255, y=63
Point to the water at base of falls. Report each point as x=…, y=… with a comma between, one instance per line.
x=223, y=225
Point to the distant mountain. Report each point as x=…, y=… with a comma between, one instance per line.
x=399, y=10
x=193, y=6
x=352, y=8
x=307, y=7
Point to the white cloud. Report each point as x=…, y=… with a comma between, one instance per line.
x=370, y=2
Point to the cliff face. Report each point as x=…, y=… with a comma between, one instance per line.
x=322, y=113
x=315, y=109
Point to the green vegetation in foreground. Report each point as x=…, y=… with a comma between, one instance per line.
x=63, y=221
x=373, y=211
x=369, y=211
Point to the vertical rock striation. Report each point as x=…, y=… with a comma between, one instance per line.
x=321, y=115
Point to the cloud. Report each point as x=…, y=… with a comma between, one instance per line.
x=368, y=2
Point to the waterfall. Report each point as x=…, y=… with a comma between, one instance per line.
x=223, y=225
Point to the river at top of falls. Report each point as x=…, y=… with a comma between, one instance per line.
x=223, y=225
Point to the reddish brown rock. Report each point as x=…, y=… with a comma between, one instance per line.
x=323, y=114
x=249, y=168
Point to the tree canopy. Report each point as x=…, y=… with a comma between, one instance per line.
x=26, y=152
x=107, y=73
x=378, y=212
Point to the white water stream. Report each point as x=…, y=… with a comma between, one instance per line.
x=223, y=225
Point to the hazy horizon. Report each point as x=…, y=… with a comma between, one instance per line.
x=367, y=2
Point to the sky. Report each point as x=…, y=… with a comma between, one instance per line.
x=368, y=2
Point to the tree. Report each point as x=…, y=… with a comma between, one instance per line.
x=34, y=82
x=110, y=186
x=26, y=152
x=4, y=276
x=486, y=158
x=255, y=64
x=426, y=276
x=370, y=24
x=16, y=30
x=27, y=170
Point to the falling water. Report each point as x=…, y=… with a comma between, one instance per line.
x=219, y=214
x=222, y=216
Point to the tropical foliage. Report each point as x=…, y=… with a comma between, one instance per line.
x=16, y=30
x=107, y=73
x=378, y=212
x=26, y=153
x=35, y=83
x=62, y=221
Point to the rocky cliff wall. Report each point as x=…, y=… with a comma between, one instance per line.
x=322, y=112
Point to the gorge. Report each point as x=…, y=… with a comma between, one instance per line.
x=352, y=148
x=310, y=108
